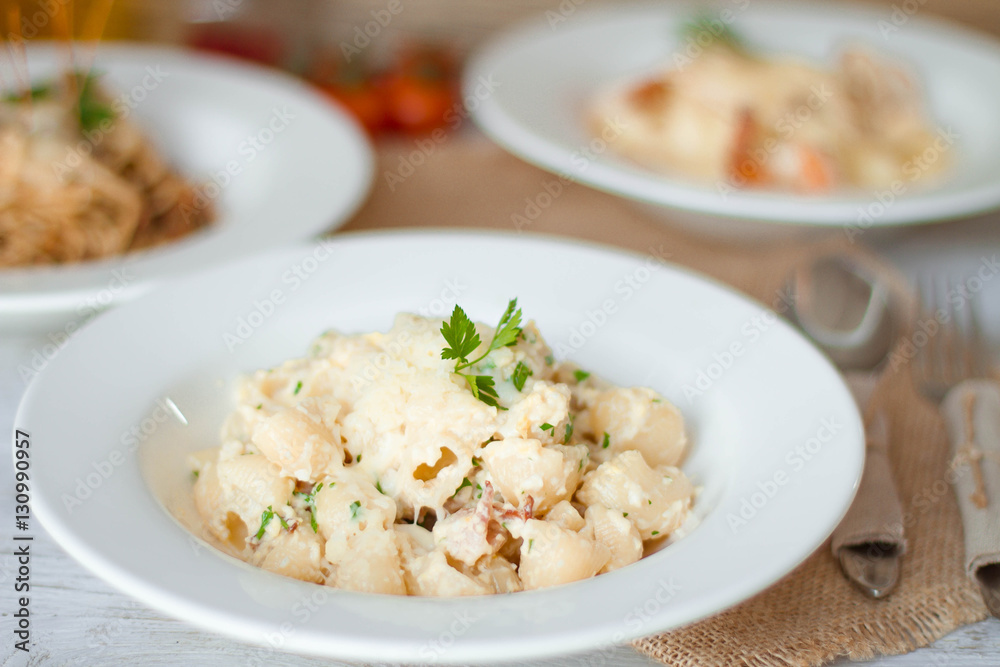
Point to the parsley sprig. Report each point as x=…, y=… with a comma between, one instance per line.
x=463, y=339
x=90, y=109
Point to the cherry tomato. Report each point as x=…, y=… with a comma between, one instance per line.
x=364, y=102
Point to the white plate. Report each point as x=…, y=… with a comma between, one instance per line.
x=200, y=110
x=544, y=75
x=777, y=409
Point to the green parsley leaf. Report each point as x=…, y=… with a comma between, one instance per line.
x=520, y=376
x=477, y=462
x=378, y=487
x=462, y=339
x=580, y=375
x=649, y=501
x=355, y=509
x=194, y=474
x=484, y=388
x=625, y=514
x=465, y=483
x=546, y=426
x=569, y=429
x=461, y=336
x=549, y=359
x=298, y=388
x=93, y=111
x=312, y=521
x=284, y=524
x=509, y=327
x=260, y=405
x=606, y=442
x=531, y=543
x=265, y=518
x=655, y=532
x=706, y=30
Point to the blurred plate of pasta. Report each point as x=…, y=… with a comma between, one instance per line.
x=180, y=160
x=775, y=441
x=753, y=120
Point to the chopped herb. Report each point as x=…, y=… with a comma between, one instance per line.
x=465, y=483
x=298, y=388
x=310, y=501
x=625, y=514
x=531, y=543
x=194, y=474
x=91, y=110
x=549, y=360
x=581, y=375
x=480, y=489
x=657, y=400
x=265, y=518
x=504, y=524
x=477, y=462
x=569, y=429
x=655, y=532
x=581, y=465
x=704, y=29
x=520, y=376
x=355, y=509
x=606, y=442
x=358, y=459
x=649, y=501
x=546, y=426
x=462, y=338
x=378, y=487
x=260, y=405
x=284, y=524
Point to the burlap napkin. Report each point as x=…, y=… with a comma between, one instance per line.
x=972, y=415
x=813, y=615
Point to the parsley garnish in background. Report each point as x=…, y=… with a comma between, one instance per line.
x=91, y=111
x=520, y=376
x=703, y=25
x=463, y=339
x=546, y=426
x=580, y=375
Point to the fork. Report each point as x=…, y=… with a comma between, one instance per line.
x=953, y=354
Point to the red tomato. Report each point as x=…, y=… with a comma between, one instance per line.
x=363, y=101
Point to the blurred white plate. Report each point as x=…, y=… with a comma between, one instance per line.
x=543, y=76
x=777, y=440
x=303, y=167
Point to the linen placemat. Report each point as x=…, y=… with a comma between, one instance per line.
x=813, y=615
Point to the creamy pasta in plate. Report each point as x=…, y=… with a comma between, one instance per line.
x=442, y=459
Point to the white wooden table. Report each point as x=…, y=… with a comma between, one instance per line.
x=78, y=619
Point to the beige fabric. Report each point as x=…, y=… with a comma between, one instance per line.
x=813, y=615
x=876, y=515
x=972, y=415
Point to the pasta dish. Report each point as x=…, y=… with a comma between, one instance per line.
x=746, y=121
x=442, y=459
x=79, y=181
